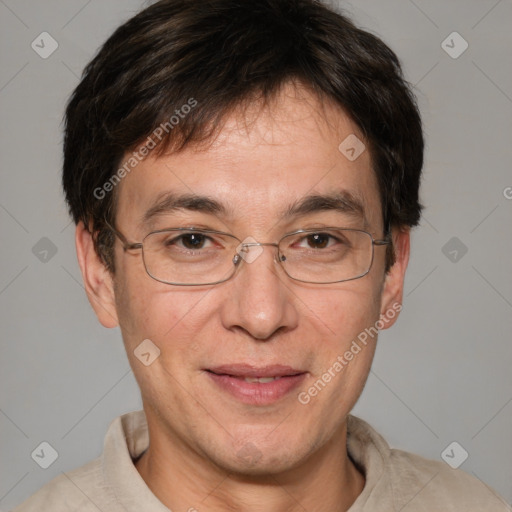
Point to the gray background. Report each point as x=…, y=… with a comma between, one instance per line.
x=442, y=374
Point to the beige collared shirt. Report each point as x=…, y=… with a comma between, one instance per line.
x=395, y=480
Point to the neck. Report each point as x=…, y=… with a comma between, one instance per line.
x=183, y=480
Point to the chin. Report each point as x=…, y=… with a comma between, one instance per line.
x=260, y=457
x=261, y=467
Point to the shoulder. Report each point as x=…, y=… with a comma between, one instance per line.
x=399, y=480
x=81, y=489
x=421, y=484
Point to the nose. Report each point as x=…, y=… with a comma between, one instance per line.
x=260, y=301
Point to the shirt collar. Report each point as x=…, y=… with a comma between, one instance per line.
x=128, y=437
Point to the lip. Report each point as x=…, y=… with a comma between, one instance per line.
x=248, y=370
x=230, y=379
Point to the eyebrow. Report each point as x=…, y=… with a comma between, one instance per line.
x=169, y=202
x=339, y=201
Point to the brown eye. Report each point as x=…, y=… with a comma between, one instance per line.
x=318, y=240
x=193, y=240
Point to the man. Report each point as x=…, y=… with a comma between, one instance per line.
x=244, y=177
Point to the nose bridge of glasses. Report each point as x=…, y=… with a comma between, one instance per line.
x=255, y=244
x=244, y=252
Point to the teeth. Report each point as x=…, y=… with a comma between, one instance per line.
x=262, y=380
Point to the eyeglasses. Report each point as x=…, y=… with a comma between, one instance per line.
x=198, y=257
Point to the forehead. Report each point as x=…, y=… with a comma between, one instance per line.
x=262, y=161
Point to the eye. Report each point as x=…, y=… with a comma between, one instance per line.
x=193, y=240
x=318, y=241
x=190, y=241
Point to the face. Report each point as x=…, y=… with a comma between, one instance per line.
x=260, y=323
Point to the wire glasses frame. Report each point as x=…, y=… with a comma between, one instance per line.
x=244, y=246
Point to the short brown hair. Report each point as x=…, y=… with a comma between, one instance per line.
x=224, y=54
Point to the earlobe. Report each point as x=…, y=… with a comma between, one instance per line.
x=393, y=287
x=97, y=279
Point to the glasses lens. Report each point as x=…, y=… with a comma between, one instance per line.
x=200, y=257
x=189, y=256
x=327, y=256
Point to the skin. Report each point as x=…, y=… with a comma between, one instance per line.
x=260, y=316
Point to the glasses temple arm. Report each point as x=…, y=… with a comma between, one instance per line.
x=127, y=245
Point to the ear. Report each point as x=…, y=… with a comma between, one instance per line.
x=98, y=281
x=393, y=286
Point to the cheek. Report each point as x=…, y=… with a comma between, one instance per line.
x=347, y=318
x=346, y=311
x=347, y=349
x=176, y=320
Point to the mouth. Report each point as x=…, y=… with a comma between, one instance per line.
x=261, y=380
x=256, y=385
